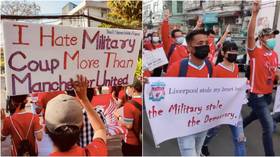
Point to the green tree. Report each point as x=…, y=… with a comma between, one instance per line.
x=138, y=71
x=125, y=12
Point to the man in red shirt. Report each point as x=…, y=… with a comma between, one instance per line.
x=263, y=66
x=63, y=123
x=22, y=125
x=131, y=145
x=173, y=45
x=195, y=66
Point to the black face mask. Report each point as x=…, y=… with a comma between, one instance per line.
x=232, y=57
x=201, y=52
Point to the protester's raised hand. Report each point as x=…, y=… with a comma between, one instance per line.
x=80, y=87
x=199, y=22
x=256, y=7
x=166, y=14
x=228, y=28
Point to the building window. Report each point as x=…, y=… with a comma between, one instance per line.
x=147, y=10
x=103, y=13
x=179, y=6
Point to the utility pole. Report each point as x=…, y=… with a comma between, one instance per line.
x=276, y=15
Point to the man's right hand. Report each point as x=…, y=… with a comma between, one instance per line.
x=256, y=7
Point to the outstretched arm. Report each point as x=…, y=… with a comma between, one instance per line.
x=80, y=86
x=252, y=26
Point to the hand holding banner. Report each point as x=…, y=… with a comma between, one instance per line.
x=153, y=59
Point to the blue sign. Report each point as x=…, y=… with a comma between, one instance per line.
x=210, y=18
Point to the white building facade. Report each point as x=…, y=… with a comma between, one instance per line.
x=97, y=9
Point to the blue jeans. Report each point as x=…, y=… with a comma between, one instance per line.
x=238, y=138
x=259, y=104
x=276, y=117
x=191, y=145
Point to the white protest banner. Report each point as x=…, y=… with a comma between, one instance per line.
x=41, y=58
x=179, y=107
x=154, y=58
x=276, y=107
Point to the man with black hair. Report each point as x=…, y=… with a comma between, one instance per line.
x=196, y=66
x=24, y=127
x=228, y=69
x=64, y=123
x=173, y=45
x=263, y=68
x=132, y=145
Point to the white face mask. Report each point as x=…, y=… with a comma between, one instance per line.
x=155, y=39
x=105, y=90
x=228, y=39
x=180, y=40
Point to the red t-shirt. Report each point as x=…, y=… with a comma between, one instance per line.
x=44, y=98
x=166, y=38
x=212, y=47
x=131, y=116
x=193, y=71
x=96, y=148
x=221, y=71
x=122, y=96
x=263, y=66
x=147, y=45
x=102, y=99
x=180, y=52
x=21, y=122
x=147, y=73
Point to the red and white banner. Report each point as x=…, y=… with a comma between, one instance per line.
x=43, y=58
x=106, y=104
x=184, y=106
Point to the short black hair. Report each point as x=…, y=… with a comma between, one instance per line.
x=210, y=31
x=229, y=46
x=174, y=31
x=65, y=137
x=90, y=93
x=149, y=36
x=193, y=33
x=137, y=85
x=16, y=101
x=154, y=33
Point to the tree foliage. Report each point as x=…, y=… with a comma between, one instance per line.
x=125, y=12
x=138, y=71
x=19, y=8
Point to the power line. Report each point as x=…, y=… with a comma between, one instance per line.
x=64, y=17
